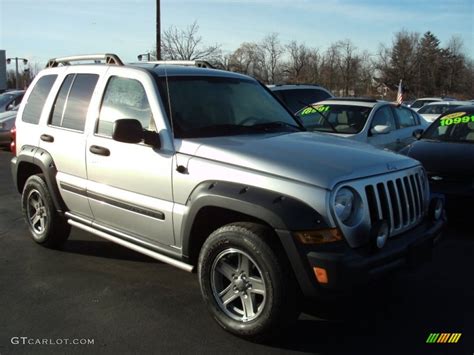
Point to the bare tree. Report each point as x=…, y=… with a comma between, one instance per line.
x=186, y=44
x=248, y=59
x=273, y=51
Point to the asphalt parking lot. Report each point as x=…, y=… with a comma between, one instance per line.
x=129, y=303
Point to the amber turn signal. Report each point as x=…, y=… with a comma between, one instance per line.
x=321, y=275
x=319, y=236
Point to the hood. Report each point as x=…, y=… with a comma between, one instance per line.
x=311, y=158
x=446, y=158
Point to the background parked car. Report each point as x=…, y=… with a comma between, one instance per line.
x=446, y=150
x=7, y=121
x=298, y=96
x=10, y=99
x=380, y=123
x=419, y=103
x=432, y=111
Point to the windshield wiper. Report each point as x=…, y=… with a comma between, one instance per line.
x=322, y=115
x=275, y=125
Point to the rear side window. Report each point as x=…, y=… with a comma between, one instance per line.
x=72, y=102
x=35, y=104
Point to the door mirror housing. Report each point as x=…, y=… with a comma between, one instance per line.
x=129, y=130
x=10, y=107
x=380, y=129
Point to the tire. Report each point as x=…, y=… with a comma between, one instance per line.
x=247, y=282
x=46, y=226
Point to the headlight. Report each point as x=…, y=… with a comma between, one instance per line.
x=344, y=204
x=348, y=206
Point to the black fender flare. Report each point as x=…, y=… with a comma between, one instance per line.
x=44, y=161
x=279, y=211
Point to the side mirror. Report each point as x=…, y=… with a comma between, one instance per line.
x=10, y=107
x=380, y=129
x=417, y=133
x=129, y=130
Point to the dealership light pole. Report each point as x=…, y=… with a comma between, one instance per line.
x=25, y=62
x=158, y=31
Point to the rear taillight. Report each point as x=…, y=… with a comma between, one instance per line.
x=13, y=143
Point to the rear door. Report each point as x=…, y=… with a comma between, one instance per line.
x=63, y=135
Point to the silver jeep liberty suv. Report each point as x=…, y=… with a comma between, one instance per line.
x=206, y=170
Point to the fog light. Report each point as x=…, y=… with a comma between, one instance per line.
x=436, y=208
x=321, y=275
x=380, y=232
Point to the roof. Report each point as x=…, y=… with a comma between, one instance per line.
x=352, y=102
x=450, y=102
x=178, y=70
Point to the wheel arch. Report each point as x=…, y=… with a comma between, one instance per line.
x=33, y=161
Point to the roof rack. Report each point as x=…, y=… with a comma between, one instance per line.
x=188, y=63
x=111, y=59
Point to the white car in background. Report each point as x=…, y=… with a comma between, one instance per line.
x=432, y=111
x=419, y=103
x=382, y=124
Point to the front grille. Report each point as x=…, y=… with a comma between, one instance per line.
x=398, y=200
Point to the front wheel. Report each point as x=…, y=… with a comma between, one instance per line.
x=246, y=281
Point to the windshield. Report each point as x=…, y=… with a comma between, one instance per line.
x=335, y=118
x=435, y=109
x=421, y=103
x=6, y=98
x=207, y=106
x=455, y=127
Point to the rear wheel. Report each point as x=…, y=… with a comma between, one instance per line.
x=246, y=281
x=46, y=226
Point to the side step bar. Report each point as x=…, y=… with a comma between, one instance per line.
x=152, y=254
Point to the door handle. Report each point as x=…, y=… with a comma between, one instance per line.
x=95, y=149
x=47, y=138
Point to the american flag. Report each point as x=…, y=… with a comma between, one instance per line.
x=400, y=93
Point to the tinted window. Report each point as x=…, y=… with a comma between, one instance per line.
x=71, y=108
x=435, y=109
x=60, y=103
x=384, y=117
x=124, y=98
x=405, y=117
x=204, y=106
x=453, y=127
x=298, y=98
x=37, y=98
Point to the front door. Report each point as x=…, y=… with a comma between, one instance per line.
x=129, y=185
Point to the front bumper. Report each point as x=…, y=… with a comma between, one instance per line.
x=347, y=267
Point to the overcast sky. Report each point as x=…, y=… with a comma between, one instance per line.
x=42, y=29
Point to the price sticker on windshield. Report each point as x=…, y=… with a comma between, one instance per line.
x=314, y=108
x=456, y=118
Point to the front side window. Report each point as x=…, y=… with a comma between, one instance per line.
x=72, y=103
x=384, y=117
x=37, y=99
x=206, y=106
x=405, y=117
x=124, y=98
